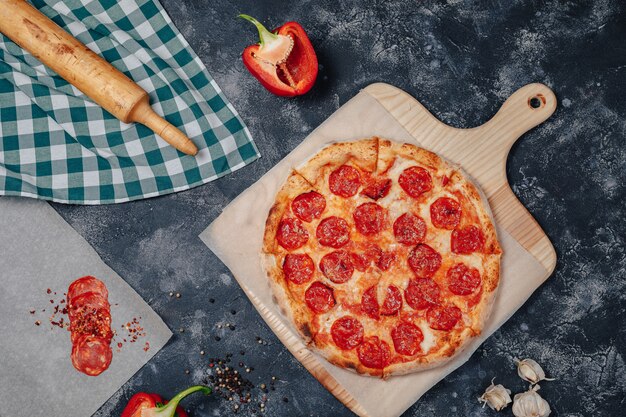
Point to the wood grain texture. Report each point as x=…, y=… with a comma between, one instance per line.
x=85, y=70
x=482, y=152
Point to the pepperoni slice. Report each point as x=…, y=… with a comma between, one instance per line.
x=369, y=218
x=344, y=181
x=347, y=332
x=87, y=284
x=373, y=253
x=445, y=213
x=96, y=323
x=443, y=317
x=91, y=355
x=409, y=229
x=86, y=302
x=374, y=353
x=337, y=266
x=369, y=303
x=424, y=261
x=385, y=260
x=308, y=206
x=467, y=239
x=407, y=338
x=319, y=298
x=291, y=233
x=422, y=293
x=360, y=261
x=298, y=268
x=377, y=188
x=463, y=280
x=333, y=231
x=415, y=181
x=393, y=301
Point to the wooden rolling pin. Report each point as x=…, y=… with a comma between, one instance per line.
x=85, y=70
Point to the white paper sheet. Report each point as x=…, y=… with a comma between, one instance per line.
x=39, y=250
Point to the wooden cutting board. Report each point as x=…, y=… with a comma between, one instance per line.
x=386, y=111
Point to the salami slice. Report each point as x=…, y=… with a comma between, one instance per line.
x=87, y=284
x=360, y=261
x=415, y=181
x=344, y=181
x=422, y=293
x=463, y=280
x=86, y=303
x=298, y=268
x=319, y=298
x=347, y=332
x=91, y=321
x=377, y=188
x=369, y=303
x=369, y=218
x=407, y=339
x=333, y=231
x=443, y=317
x=385, y=260
x=445, y=213
x=291, y=233
x=308, y=206
x=91, y=355
x=337, y=266
x=374, y=353
x=393, y=301
x=409, y=229
x=467, y=239
x=391, y=304
x=424, y=261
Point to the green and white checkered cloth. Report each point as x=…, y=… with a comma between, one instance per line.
x=56, y=144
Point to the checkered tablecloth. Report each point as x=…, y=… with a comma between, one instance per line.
x=56, y=144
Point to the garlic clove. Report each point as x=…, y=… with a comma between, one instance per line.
x=530, y=404
x=531, y=371
x=496, y=396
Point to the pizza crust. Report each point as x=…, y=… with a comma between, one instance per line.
x=376, y=157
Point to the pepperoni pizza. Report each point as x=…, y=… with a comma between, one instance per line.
x=384, y=256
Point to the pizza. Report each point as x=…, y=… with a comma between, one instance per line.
x=384, y=256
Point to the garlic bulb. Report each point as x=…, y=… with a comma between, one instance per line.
x=530, y=371
x=530, y=404
x=496, y=397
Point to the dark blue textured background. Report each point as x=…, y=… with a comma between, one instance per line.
x=461, y=59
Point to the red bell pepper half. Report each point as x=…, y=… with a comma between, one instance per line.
x=152, y=405
x=284, y=61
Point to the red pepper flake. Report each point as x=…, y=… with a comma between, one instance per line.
x=48, y=291
x=32, y=311
x=146, y=347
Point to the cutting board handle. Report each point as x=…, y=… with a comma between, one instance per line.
x=526, y=108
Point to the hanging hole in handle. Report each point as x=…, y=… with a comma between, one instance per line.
x=537, y=101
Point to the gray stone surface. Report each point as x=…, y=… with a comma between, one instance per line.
x=461, y=60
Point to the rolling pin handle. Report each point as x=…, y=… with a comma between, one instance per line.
x=144, y=114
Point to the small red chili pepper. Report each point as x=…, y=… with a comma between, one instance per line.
x=152, y=405
x=284, y=61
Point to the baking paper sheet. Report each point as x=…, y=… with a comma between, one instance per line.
x=361, y=117
x=39, y=250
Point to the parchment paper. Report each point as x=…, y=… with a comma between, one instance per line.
x=39, y=250
x=361, y=117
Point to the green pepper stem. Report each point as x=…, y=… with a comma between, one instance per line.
x=264, y=34
x=169, y=410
